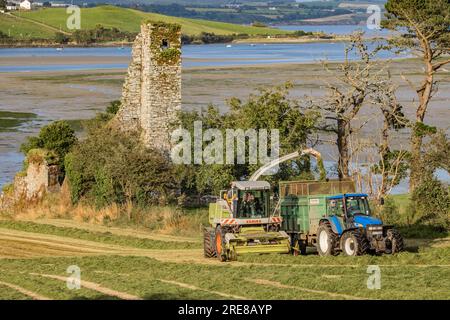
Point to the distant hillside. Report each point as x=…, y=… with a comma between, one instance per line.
x=45, y=23
x=273, y=12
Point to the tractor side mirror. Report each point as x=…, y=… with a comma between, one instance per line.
x=381, y=201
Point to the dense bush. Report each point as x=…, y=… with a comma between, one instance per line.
x=113, y=107
x=58, y=137
x=390, y=213
x=61, y=38
x=3, y=35
x=431, y=200
x=431, y=197
x=109, y=166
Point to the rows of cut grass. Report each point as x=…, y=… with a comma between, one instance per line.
x=102, y=237
x=140, y=276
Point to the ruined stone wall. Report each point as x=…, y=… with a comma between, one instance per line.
x=39, y=178
x=31, y=185
x=151, y=95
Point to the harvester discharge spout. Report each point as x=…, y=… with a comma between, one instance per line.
x=274, y=163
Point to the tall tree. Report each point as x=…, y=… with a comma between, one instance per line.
x=424, y=27
x=392, y=165
x=2, y=4
x=353, y=82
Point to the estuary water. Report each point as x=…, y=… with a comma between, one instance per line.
x=212, y=55
x=206, y=56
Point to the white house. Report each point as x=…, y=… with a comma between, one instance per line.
x=59, y=5
x=11, y=6
x=25, y=5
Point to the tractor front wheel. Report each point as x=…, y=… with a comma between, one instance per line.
x=354, y=243
x=220, y=245
x=396, y=241
x=326, y=240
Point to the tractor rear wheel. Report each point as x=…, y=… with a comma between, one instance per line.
x=354, y=243
x=396, y=241
x=326, y=240
x=208, y=243
x=220, y=244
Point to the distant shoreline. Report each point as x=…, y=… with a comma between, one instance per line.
x=259, y=40
x=57, y=45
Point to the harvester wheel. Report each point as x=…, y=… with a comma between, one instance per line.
x=354, y=243
x=220, y=244
x=208, y=243
x=302, y=244
x=233, y=255
x=326, y=240
x=299, y=248
x=396, y=241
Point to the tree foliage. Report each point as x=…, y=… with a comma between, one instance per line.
x=431, y=201
x=424, y=27
x=110, y=166
x=58, y=137
x=268, y=109
x=417, y=20
x=431, y=197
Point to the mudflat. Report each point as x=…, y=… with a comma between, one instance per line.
x=77, y=95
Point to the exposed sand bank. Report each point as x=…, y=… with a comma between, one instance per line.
x=80, y=94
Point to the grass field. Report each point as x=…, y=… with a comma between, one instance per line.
x=23, y=29
x=48, y=21
x=115, y=265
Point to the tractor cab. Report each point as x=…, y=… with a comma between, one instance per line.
x=348, y=205
x=352, y=210
x=249, y=199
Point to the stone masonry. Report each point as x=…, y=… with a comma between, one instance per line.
x=151, y=95
x=38, y=179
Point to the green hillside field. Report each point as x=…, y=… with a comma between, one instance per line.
x=22, y=29
x=44, y=23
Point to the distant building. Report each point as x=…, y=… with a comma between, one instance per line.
x=10, y=6
x=232, y=5
x=25, y=5
x=59, y=5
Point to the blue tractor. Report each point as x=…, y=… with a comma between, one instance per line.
x=314, y=214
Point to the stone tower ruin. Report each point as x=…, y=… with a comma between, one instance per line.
x=151, y=95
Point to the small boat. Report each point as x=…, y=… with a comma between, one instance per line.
x=252, y=44
x=229, y=46
x=59, y=49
